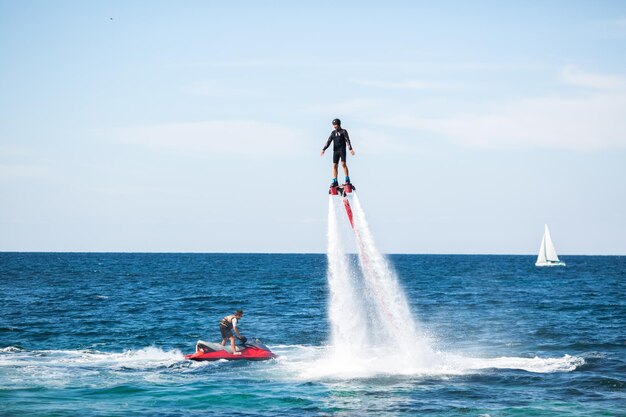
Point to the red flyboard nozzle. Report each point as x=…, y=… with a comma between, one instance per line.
x=346, y=204
x=348, y=188
x=333, y=191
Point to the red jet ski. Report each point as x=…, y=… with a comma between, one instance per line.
x=251, y=351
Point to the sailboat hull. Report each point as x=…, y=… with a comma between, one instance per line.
x=548, y=263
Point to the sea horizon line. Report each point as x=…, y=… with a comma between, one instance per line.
x=281, y=253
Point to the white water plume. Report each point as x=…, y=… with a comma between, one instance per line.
x=373, y=331
x=345, y=310
x=393, y=317
x=368, y=310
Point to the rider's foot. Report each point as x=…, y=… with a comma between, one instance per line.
x=347, y=180
x=335, y=183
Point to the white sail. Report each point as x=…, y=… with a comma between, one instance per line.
x=550, y=251
x=547, y=254
x=541, y=258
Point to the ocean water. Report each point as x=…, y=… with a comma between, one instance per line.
x=104, y=335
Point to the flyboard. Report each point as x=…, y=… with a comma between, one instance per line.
x=343, y=190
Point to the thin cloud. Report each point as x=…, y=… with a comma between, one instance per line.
x=218, y=138
x=421, y=64
x=574, y=76
x=13, y=172
x=14, y=151
x=218, y=90
x=403, y=85
x=616, y=27
x=591, y=123
x=353, y=107
x=370, y=141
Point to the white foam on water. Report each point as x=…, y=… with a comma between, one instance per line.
x=320, y=363
x=536, y=365
x=59, y=368
x=295, y=363
x=146, y=358
x=10, y=349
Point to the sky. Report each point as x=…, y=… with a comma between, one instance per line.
x=196, y=126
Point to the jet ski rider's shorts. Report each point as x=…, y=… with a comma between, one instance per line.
x=226, y=332
x=339, y=153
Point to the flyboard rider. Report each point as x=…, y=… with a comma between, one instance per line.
x=340, y=139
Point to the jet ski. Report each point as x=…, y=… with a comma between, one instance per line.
x=253, y=350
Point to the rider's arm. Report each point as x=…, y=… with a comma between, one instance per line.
x=235, y=327
x=330, y=139
x=345, y=132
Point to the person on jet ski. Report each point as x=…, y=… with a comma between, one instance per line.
x=229, y=324
x=340, y=139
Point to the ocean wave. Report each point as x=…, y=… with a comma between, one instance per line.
x=10, y=349
x=145, y=358
x=567, y=363
x=25, y=369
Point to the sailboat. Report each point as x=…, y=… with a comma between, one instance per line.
x=547, y=254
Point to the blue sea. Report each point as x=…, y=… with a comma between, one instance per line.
x=103, y=334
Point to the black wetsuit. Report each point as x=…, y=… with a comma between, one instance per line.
x=339, y=138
